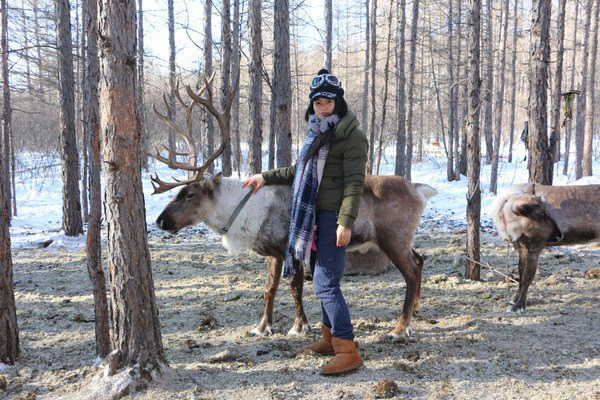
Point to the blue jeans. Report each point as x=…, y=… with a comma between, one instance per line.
x=328, y=267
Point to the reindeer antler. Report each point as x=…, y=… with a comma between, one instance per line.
x=222, y=119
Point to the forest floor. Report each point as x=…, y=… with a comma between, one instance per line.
x=465, y=344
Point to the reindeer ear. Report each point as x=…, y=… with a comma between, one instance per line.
x=217, y=178
x=533, y=209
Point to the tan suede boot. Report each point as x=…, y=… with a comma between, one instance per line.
x=323, y=346
x=346, y=357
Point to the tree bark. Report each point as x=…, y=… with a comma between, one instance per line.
x=141, y=83
x=400, y=89
x=235, y=77
x=282, y=83
x=85, y=140
x=373, y=109
x=136, y=335
x=451, y=103
x=539, y=153
x=411, y=85
x=225, y=75
x=171, y=111
x=9, y=332
x=474, y=153
x=72, y=221
x=499, y=104
x=92, y=132
x=459, y=120
x=208, y=70
x=513, y=95
x=591, y=99
x=569, y=127
x=365, y=92
x=489, y=83
x=254, y=16
x=582, y=97
x=6, y=133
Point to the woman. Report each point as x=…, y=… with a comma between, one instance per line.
x=327, y=185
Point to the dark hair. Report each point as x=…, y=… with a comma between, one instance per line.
x=340, y=109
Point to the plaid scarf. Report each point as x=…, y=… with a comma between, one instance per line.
x=304, y=197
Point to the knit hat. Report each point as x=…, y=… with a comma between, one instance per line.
x=325, y=85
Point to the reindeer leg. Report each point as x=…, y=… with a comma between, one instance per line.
x=529, y=254
x=301, y=325
x=419, y=260
x=274, y=266
x=411, y=271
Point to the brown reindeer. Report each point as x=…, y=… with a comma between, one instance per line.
x=388, y=218
x=534, y=216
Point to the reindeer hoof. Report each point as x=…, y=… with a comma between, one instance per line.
x=403, y=334
x=512, y=309
x=261, y=331
x=299, y=331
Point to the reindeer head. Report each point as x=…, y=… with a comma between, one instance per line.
x=534, y=219
x=191, y=204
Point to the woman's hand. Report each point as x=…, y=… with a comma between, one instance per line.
x=257, y=180
x=343, y=236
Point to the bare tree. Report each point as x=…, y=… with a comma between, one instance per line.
x=282, y=83
x=365, y=92
x=540, y=157
x=580, y=121
x=72, y=221
x=141, y=82
x=474, y=153
x=225, y=74
x=92, y=132
x=569, y=120
x=373, y=109
x=5, y=137
x=400, y=89
x=9, y=332
x=136, y=335
x=489, y=82
x=411, y=85
x=499, y=104
x=558, y=78
x=328, y=32
x=451, y=98
x=254, y=17
x=235, y=77
x=459, y=105
x=208, y=70
x=513, y=94
x=591, y=99
x=171, y=108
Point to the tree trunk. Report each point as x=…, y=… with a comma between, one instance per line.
x=9, y=332
x=92, y=132
x=459, y=120
x=208, y=70
x=513, y=95
x=72, y=222
x=591, y=99
x=489, y=83
x=141, y=84
x=235, y=77
x=85, y=207
x=365, y=92
x=400, y=90
x=539, y=153
x=386, y=70
x=582, y=97
x=555, y=129
x=282, y=83
x=373, y=109
x=225, y=75
x=6, y=133
x=569, y=127
x=451, y=103
x=136, y=336
x=411, y=85
x=328, y=32
x=499, y=104
x=171, y=111
x=255, y=101
x=25, y=52
x=474, y=153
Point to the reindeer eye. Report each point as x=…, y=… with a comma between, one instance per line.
x=189, y=196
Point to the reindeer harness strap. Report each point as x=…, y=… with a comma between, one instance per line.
x=236, y=212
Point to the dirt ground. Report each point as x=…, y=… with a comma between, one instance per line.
x=465, y=344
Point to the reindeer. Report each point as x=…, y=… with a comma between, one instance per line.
x=388, y=218
x=534, y=216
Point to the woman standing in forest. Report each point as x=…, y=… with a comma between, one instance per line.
x=328, y=182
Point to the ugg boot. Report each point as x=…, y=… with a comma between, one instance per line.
x=346, y=357
x=323, y=346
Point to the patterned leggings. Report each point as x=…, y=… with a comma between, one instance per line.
x=328, y=267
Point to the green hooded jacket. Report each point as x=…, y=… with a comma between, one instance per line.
x=344, y=173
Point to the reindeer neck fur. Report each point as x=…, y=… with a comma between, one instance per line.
x=249, y=224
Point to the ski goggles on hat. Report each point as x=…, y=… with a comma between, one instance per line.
x=321, y=80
